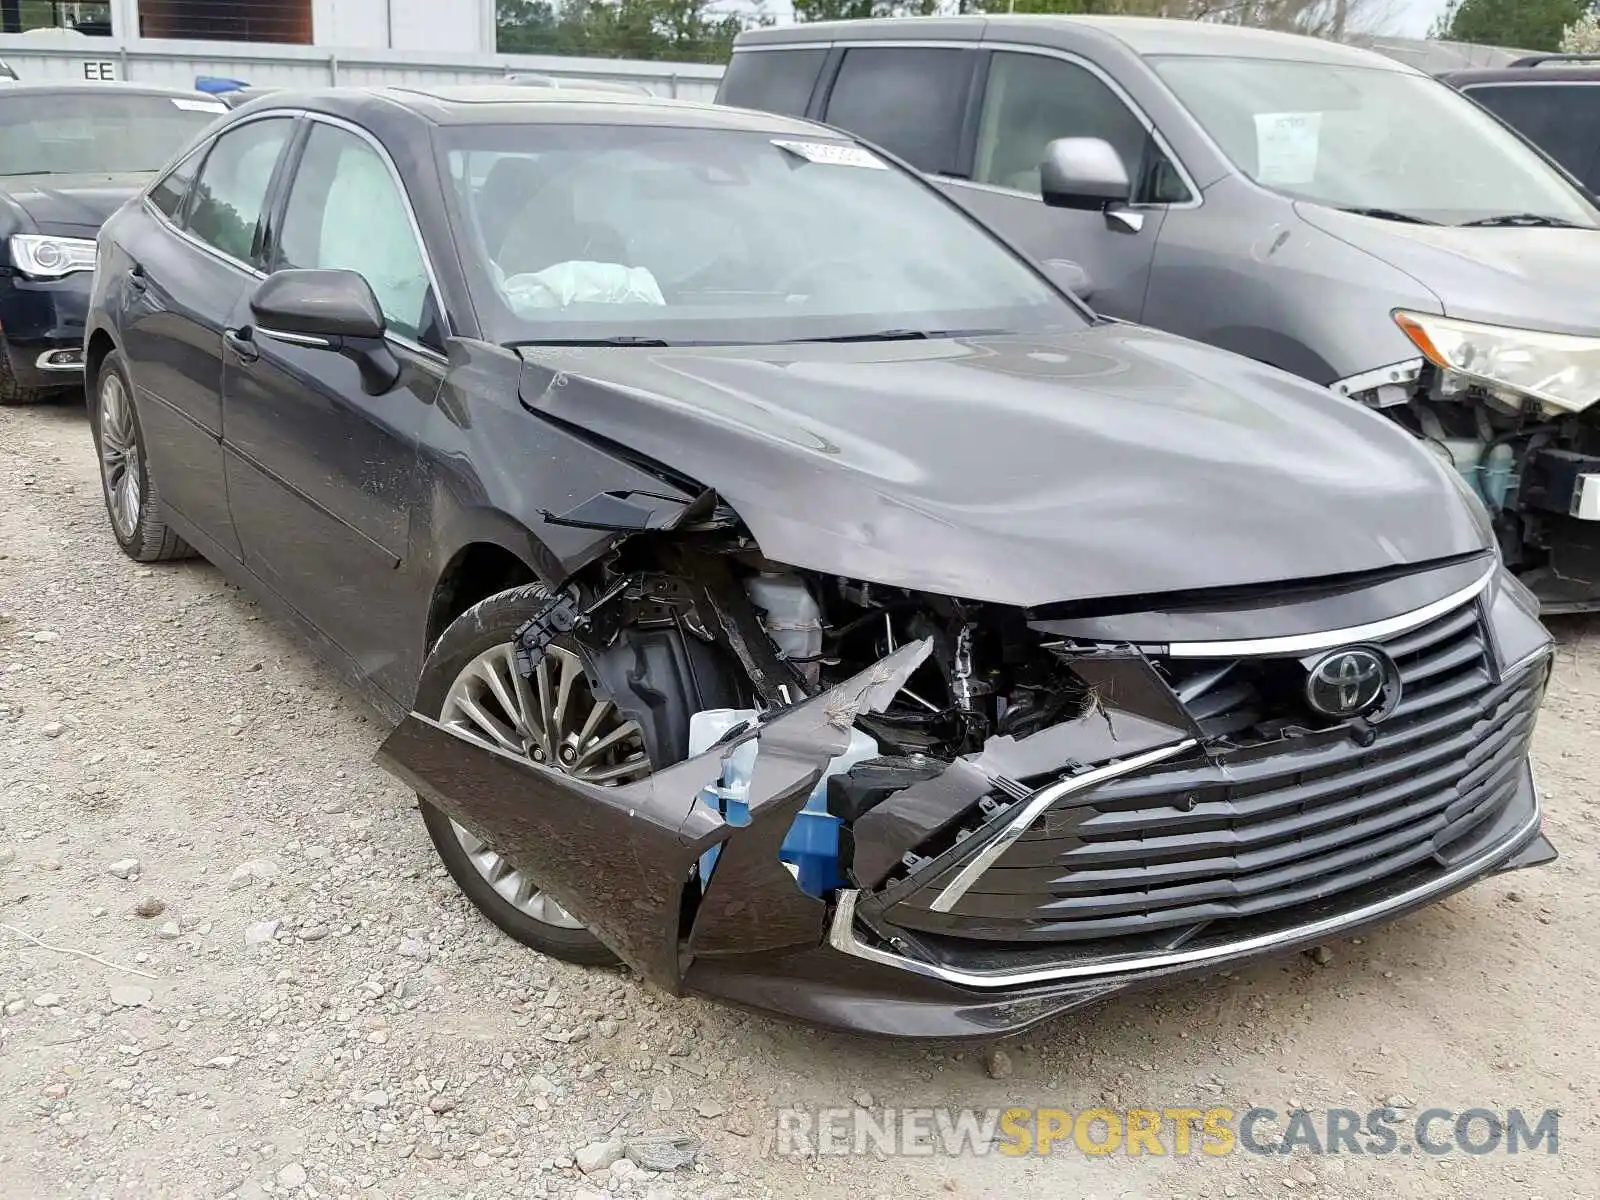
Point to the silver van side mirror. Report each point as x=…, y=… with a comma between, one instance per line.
x=1083, y=173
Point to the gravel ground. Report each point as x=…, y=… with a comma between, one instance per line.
x=291, y=999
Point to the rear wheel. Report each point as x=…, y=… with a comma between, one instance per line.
x=471, y=684
x=132, y=502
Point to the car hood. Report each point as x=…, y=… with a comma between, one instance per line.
x=1110, y=462
x=72, y=204
x=1528, y=278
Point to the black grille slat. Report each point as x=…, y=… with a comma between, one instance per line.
x=1245, y=832
x=1443, y=803
x=1394, y=854
x=1240, y=832
x=1464, y=621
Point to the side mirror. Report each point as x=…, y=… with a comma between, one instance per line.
x=1083, y=173
x=1069, y=276
x=328, y=310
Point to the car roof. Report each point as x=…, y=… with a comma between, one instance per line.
x=120, y=87
x=514, y=104
x=1534, y=74
x=1142, y=35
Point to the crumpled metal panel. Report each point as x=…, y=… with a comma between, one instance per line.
x=618, y=858
x=1134, y=712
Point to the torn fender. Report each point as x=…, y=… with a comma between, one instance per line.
x=619, y=858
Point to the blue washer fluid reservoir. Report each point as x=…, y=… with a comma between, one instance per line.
x=811, y=847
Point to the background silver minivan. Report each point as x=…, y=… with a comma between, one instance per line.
x=1320, y=208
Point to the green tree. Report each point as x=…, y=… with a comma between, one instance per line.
x=670, y=30
x=1515, y=24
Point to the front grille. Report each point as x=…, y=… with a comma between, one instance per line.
x=1232, y=835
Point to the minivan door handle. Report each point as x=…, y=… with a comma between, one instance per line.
x=242, y=344
x=136, y=279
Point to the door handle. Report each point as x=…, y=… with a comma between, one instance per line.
x=242, y=344
x=136, y=279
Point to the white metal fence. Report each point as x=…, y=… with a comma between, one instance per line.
x=177, y=64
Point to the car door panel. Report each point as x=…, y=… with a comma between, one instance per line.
x=175, y=295
x=188, y=264
x=323, y=478
x=323, y=475
x=1116, y=256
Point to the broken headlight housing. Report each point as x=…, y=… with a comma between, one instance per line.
x=1559, y=370
x=40, y=256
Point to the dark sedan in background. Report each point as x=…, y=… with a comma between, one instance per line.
x=800, y=615
x=70, y=156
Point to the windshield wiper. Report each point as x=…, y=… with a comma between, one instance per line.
x=621, y=339
x=1389, y=214
x=902, y=335
x=1527, y=220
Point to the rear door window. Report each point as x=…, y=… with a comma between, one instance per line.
x=908, y=99
x=1563, y=120
x=775, y=81
x=225, y=210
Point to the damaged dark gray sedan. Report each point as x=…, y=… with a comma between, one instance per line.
x=786, y=589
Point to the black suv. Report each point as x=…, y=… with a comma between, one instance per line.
x=1553, y=100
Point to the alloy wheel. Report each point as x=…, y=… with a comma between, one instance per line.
x=554, y=719
x=119, y=456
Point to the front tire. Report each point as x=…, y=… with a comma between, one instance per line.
x=14, y=393
x=471, y=685
x=132, y=502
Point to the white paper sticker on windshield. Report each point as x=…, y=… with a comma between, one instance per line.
x=1286, y=147
x=834, y=155
x=216, y=106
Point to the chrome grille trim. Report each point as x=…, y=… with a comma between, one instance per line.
x=1307, y=642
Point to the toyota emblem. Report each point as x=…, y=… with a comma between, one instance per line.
x=1351, y=682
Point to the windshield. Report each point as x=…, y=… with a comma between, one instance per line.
x=1363, y=138
x=649, y=234
x=106, y=133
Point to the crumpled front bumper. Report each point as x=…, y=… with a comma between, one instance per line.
x=854, y=983
x=623, y=860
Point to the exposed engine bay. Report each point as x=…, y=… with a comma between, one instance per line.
x=1536, y=470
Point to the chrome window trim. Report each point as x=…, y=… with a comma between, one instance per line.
x=1034, y=807
x=1329, y=638
x=842, y=935
x=256, y=273
x=1514, y=83
x=295, y=339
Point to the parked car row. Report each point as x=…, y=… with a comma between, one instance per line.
x=784, y=584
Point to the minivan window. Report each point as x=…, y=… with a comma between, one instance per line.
x=634, y=233
x=1030, y=99
x=775, y=81
x=1563, y=120
x=907, y=99
x=1370, y=139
